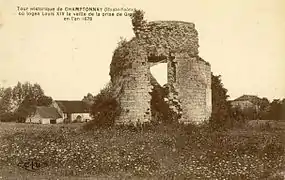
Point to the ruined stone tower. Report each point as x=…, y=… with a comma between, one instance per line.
x=189, y=76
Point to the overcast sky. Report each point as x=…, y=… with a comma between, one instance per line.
x=244, y=41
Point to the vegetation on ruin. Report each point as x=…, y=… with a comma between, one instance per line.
x=123, y=57
x=160, y=38
x=154, y=39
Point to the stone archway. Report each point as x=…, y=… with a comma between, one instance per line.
x=188, y=75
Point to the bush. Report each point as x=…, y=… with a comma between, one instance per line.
x=161, y=112
x=7, y=117
x=104, y=110
x=220, y=117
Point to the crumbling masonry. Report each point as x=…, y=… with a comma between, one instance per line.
x=188, y=76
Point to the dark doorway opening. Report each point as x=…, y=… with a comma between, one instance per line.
x=78, y=118
x=53, y=121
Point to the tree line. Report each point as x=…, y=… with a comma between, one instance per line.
x=19, y=102
x=224, y=114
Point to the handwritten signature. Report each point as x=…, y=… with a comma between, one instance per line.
x=32, y=164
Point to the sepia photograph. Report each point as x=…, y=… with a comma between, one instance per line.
x=128, y=89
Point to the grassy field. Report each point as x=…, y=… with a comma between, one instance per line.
x=67, y=152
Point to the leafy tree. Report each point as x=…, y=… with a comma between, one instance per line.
x=221, y=108
x=276, y=111
x=104, y=109
x=6, y=100
x=2, y=89
x=20, y=101
x=33, y=96
x=6, y=113
x=263, y=108
x=44, y=101
x=19, y=92
x=89, y=99
x=26, y=108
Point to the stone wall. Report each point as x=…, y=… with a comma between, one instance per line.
x=135, y=98
x=189, y=77
x=131, y=79
x=193, y=85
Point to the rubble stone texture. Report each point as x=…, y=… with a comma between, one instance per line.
x=189, y=76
